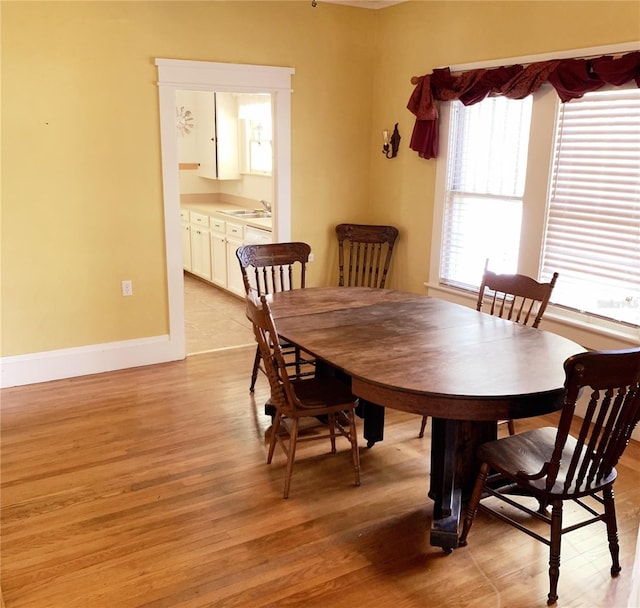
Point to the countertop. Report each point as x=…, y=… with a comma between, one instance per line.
x=215, y=204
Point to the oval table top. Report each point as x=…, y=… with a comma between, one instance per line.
x=425, y=355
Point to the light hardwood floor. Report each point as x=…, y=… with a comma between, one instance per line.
x=149, y=488
x=214, y=318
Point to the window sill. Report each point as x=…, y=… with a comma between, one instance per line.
x=256, y=173
x=590, y=335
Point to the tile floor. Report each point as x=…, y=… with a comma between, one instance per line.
x=214, y=319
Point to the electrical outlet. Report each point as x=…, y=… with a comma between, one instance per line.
x=311, y=257
x=127, y=288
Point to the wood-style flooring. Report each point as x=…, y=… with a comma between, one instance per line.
x=149, y=488
x=214, y=318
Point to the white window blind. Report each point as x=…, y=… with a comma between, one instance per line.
x=254, y=113
x=486, y=169
x=593, y=227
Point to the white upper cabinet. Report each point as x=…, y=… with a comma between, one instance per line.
x=216, y=130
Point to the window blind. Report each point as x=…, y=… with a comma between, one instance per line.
x=486, y=170
x=593, y=228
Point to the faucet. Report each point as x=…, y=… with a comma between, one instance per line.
x=266, y=205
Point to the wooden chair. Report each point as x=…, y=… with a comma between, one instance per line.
x=553, y=466
x=268, y=268
x=515, y=297
x=365, y=252
x=294, y=399
x=364, y=255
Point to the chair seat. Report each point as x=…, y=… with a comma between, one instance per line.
x=525, y=452
x=324, y=394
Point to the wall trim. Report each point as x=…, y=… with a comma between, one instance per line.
x=80, y=361
x=183, y=75
x=593, y=51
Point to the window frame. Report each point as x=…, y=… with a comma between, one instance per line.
x=589, y=330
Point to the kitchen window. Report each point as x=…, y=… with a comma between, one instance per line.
x=538, y=186
x=254, y=114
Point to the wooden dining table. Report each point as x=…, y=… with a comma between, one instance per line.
x=463, y=368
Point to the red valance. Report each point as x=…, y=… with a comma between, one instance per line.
x=571, y=78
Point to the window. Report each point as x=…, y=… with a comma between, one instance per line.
x=537, y=186
x=593, y=228
x=254, y=114
x=485, y=188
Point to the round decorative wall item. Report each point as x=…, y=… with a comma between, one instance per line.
x=184, y=121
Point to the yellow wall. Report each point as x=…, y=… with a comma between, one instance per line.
x=82, y=185
x=419, y=36
x=82, y=189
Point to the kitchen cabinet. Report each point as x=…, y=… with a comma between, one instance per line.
x=209, y=247
x=217, y=135
x=234, y=234
x=186, y=239
x=218, y=252
x=200, y=245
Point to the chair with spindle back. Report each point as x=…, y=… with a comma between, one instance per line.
x=322, y=397
x=552, y=466
x=515, y=297
x=266, y=269
x=364, y=254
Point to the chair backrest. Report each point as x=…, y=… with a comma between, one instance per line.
x=365, y=251
x=271, y=267
x=515, y=297
x=612, y=412
x=264, y=329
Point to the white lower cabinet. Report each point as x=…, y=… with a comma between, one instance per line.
x=209, y=247
x=219, y=259
x=235, y=284
x=200, y=245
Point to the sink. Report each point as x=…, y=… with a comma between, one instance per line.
x=247, y=213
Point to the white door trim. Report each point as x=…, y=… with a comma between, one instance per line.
x=175, y=75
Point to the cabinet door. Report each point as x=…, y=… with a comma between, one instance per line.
x=228, y=160
x=200, y=252
x=205, y=130
x=235, y=284
x=219, y=259
x=186, y=246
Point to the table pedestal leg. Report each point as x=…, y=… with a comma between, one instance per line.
x=373, y=415
x=453, y=472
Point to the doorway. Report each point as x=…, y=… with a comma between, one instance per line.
x=177, y=75
x=225, y=152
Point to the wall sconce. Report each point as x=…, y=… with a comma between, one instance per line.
x=390, y=146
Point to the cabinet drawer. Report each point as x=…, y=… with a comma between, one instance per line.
x=217, y=225
x=234, y=230
x=199, y=219
x=184, y=215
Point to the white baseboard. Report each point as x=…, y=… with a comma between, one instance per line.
x=97, y=358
